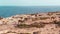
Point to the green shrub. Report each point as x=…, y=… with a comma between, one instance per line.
x=38, y=25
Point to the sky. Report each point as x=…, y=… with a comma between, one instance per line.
x=29, y=2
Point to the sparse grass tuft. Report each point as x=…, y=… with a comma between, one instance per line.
x=23, y=26
x=37, y=25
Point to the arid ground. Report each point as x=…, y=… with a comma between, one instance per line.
x=39, y=23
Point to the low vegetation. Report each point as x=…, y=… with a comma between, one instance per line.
x=23, y=33
x=37, y=25
x=22, y=26
x=44, y=18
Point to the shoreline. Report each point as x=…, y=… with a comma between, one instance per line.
x=38, y=23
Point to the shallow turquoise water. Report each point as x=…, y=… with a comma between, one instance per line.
x=6, y=11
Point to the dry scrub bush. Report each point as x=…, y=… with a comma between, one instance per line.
x=44, y=18
x=37, y=25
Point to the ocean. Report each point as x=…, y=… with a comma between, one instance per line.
x=7, y=11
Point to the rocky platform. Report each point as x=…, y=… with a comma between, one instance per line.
x=39, y=23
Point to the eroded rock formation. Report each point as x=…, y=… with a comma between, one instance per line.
x=40, y=23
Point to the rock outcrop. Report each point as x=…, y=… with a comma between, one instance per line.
x=40, y=23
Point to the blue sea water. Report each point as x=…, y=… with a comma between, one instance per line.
x=6, y=11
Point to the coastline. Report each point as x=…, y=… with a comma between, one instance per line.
x=40, y=23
